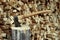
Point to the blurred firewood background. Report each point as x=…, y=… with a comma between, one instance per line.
x=43, y=26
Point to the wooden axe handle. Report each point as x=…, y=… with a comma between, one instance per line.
x=34, y=13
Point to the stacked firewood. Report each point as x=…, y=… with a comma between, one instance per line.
x=43, y=26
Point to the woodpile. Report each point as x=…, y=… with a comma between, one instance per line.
x=44, y=26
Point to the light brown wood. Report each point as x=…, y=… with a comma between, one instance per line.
x=34, y=13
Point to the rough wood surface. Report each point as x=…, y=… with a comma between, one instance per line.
x=45, y=26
